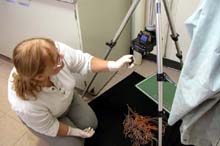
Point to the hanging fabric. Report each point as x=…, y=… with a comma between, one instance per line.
x=197, y=98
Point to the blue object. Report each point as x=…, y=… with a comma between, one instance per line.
x=144, y=38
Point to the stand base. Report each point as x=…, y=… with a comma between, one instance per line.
x=149, y=87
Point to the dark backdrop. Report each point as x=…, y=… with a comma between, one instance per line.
x=111, y=109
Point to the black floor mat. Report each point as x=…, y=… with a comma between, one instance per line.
x=111, y=108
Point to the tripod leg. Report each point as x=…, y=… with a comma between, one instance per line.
x=150, y=19
x=174, y=35
x=113, y=42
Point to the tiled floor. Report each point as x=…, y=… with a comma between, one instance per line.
x=14, y=133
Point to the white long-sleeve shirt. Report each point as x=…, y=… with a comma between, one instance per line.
x=41, y=114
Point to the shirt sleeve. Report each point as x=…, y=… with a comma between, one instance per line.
x=41, y=121
x=76, y=60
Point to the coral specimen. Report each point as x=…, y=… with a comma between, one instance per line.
x=140, y=129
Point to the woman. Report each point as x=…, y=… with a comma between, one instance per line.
x=41, y=90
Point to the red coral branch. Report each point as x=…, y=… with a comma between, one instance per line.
x=140, y=129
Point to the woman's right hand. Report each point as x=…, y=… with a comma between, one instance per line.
x=116, y=65
x=86, y=133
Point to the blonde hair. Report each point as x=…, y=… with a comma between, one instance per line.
x=30, y=59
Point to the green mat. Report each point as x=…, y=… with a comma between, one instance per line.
x=149, y=87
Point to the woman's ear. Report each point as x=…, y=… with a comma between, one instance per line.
x=40, y=77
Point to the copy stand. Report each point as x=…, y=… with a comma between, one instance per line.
x=161, y=76
x=144, y=42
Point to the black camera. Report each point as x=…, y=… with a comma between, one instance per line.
x=145, y=42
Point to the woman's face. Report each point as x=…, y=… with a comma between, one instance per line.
x=55, y=64
x=58, y=59
x=59, y=64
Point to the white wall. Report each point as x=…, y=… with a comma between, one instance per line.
x=138, y=18
x=99, y=21
x=44, y=18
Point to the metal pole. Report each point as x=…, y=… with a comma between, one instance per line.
x=159, y=69
x=114, y=40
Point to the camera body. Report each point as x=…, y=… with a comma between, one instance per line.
x=144, y=43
